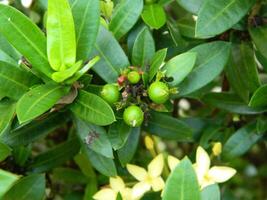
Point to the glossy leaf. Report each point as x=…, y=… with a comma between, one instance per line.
x=35, y=130
x=69, y=176
x=92, y=109
x=258, y=35
x=157, y=61
x=241, y=141
x=14, y=82
x=61, y=40
x=94, y=137
x=29, y=187
x=143, y=49
x=5, y=151
x=231, y=103
x=211, y=192
x=154, y=15
x=259, y=97
x=168, y=127
x=187, y=27
x=180, y=66
x=86, y=18
x=8, y=49
x=118, y=134
x=112, y=57
x=26, y=37
x=126, y=153
x=192, y=6
x=182, y=183
x=101, y=163
x=6, y=58
x=39, y=100
x=215, y=18
x=7, y=112
x=211, y=59
x=125, y=16
x=55, y=156
x=234, y=72
x=7, y=180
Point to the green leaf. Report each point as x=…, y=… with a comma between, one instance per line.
x=259, y=97
x=154, y=15
x=182, y=183
x=93, y=109
x=112, y=57
x=104, y=165
x=258, y=35
x=14, y=82
x=175, y=33
x=234, y=71
x=126, y=153
x=7, y=112
x=86, y=16
x=26, y=37
x=156, y=62
x=211, y=192
x=61, y=40
x=211, y=59
x=35, y=130
x=241, y=141
x=94, y=137
x=125, y=16
x=118, y=134
x=55, y=156
x=29, y=187
x=5, y=151
x=192, y=6
x=168, y=127
x=215, y=18
x=180, y=66
x=21, y=154
x=8, y=49
x=63, y=75
x=69, y=176
x=230, y=102
x=7, y=180
x=6, y=58
x=39, y=100
x=143, y=49
x=187, y=27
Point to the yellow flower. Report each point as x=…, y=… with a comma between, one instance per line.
x=149, y=143
x=116, y=186
x=217, y=149
x=148, y=179
x=208, y=176
x=205, y=175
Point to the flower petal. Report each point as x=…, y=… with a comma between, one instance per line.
x=202, y=163
x=116, y=183
x=140, y=189
x=157, y=184
x=155, y=167
x=173, y=162
x=221, y=174
x=137, y=172
x=105, y=194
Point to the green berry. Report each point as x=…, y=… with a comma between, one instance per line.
x=110, y=93
x=158, y=92
x=133, y=77
x=133, y=116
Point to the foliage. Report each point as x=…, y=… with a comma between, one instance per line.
x=99, y=99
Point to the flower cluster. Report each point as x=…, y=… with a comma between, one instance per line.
x=152, y=179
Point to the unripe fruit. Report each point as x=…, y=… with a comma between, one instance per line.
x=110, y=93
x=158, y=92
x=133, y=77
x=133, y=116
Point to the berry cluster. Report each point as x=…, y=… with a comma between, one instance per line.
x=131, y=94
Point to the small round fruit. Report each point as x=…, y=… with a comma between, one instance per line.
x=110, y=93
x=158, y=92
x=133, y=116
x=133, y=77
